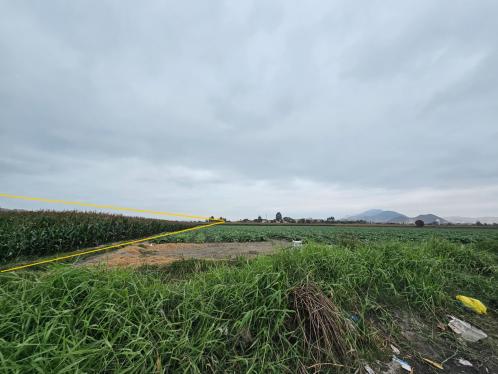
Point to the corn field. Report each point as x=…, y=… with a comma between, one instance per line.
x=24, y=234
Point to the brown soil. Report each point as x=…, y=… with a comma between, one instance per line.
x=160, y=254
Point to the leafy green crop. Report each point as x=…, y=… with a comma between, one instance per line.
x=333, y=234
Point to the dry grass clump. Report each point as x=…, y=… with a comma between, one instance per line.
x=327, y=334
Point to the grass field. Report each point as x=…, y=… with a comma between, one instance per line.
x=328, y=308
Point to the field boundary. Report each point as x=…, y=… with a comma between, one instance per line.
x=213, y=222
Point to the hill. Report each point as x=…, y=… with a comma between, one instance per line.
x=389, y=216
x=430, y=218
x=472, y=220
x=379, y=216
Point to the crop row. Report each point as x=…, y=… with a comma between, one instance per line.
x=24, y=234
x=332, y=234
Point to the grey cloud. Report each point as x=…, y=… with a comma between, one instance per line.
x=374, y=96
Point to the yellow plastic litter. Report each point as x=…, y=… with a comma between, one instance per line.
x=434, y=363
x=473, y=304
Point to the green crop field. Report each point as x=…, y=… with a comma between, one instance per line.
x=333, y=305
x=27, y=234
x=333, y=234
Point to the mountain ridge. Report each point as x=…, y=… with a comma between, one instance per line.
x=471, y=220
x=390, y=216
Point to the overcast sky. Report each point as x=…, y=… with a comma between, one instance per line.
x=242, y=108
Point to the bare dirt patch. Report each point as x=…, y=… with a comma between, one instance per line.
x=161, y=254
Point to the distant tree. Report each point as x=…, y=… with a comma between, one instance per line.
x=419, y=223
x=278, y=217
x=331, y=219
x=289, y=220
x=478, y=223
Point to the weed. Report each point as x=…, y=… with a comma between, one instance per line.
x=256, y=316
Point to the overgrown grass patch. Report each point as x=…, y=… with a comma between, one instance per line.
x=231, y=316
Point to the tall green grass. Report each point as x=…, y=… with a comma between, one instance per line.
x=234, y=316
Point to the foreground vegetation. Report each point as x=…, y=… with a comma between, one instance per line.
x=333, y=234
x=288, y=312
x=28, y=234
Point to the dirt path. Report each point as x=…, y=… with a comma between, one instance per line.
x=155, y=254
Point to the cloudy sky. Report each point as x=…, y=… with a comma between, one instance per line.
x=240, y=108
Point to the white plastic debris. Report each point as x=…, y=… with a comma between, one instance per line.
x=395, y=350
x=223, y=330
x=466, y=330
x=297, y=243
x=369, y=370
x=405, y=365
x=464, y=362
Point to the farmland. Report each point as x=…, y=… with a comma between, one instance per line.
x=333, y=305
x=333, y=234
x=25, y=235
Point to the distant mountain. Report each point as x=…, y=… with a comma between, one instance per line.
x=379, y=216
x=471, y=220
x=365, y=215
x=389, y=216
x=401, y=219
x=488, y=220
x=458, y=219
x=371, y=212
x=429, y=218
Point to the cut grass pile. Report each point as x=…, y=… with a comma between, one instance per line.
x=24, y=235
x=286, y=312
